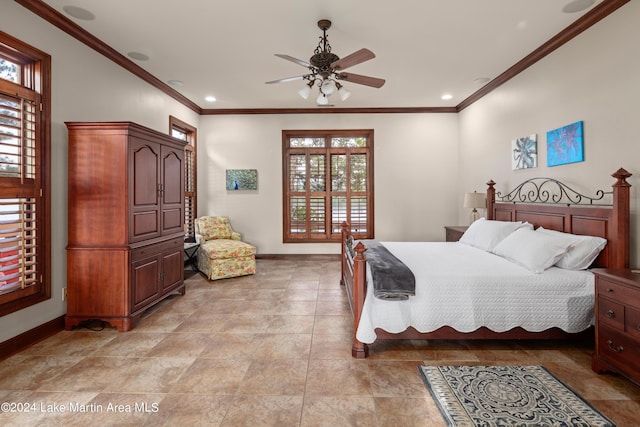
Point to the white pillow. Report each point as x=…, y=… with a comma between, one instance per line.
x=584, y=251
x=532, y=250
x=486, y=234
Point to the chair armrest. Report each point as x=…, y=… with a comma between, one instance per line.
x=200, y=238
x=236, y=236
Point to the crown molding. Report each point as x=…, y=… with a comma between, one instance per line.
x=329, y=110
x=54, y=17
x=590, y=18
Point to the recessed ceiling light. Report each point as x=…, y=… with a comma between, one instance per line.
x=210, y=98
x=175, y=82
x=577, y=6
x=447, y=96
x=79, y=13
x=138, y=56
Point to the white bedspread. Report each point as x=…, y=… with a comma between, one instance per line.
x=466, y=288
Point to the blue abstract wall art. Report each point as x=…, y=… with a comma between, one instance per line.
x=565, y=145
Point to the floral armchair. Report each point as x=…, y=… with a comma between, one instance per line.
x=222, y=254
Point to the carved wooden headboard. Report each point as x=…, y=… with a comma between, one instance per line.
x=548, y=203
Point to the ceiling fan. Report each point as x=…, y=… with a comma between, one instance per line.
x=326, y=69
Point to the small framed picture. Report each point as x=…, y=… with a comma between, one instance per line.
x=242, y=179
x=524, y=152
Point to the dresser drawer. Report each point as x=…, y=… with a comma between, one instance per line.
x=617, y=292
x=611, y=313
x=632, y=322
x=169, y=245
x=619, y=349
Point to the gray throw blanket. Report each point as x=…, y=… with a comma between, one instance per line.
x=392, y=279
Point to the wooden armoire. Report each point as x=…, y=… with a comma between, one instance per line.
x=126, y=221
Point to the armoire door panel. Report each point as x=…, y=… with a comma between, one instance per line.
x=172, y=219
x=145, y=175
x=172, y=200
x=173, y=268
x=145, y=280
x=172, y=188
x=145, y=224
x=145, y=188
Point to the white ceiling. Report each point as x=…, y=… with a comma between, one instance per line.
x=424, y=48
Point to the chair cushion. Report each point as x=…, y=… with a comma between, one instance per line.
x=225, y=248
x=229, y=267
x=214, y=227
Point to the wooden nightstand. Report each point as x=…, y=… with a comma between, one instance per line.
x=454, y=232
x=617, y=323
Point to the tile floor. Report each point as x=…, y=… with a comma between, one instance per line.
x=266, y=350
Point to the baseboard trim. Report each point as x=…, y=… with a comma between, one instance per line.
x=30, y=337
x=329, y=257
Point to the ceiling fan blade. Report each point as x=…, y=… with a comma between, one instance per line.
x=292, y=59
x=361, y=80
x=286, y=79
x=355, y=58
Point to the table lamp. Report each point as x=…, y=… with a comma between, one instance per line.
x=474, y=201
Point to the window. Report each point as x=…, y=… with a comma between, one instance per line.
x=187, y=133
x=327, y=179
x=24, y=175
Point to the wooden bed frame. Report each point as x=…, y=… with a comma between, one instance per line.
x=560, y=208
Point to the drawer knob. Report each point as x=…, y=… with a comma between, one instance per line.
x=610, y=314
x=616, y=349
x=609, y=290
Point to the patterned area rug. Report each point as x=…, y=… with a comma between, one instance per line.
x=507, y=396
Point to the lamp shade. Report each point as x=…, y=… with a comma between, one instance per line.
x=474, y=200
x=327, y=87
x=344, y=93
x=305, y=91
x=322, y=99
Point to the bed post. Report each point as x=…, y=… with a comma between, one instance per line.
x=345, y=234
x=491, y=199
x=620, y=252
x=359, y=350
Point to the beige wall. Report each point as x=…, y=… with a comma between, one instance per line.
x=415, y=167
x=85, y=86
x=594, y=78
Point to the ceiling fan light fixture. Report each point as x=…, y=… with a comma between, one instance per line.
x=326, y=68
x=305, y=92
x=328, y=86
x=322, y=99
x=343, y=92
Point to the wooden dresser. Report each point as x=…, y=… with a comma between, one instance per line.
x=618, y=322
x=125, y=225
x=453, y=233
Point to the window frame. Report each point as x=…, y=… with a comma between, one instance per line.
x=191, y=150
x=328, y=235
x=35, y=69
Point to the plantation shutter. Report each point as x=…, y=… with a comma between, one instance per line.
x=19, y=192
x=189, y=191
x=187, y=133
x=327, y=180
